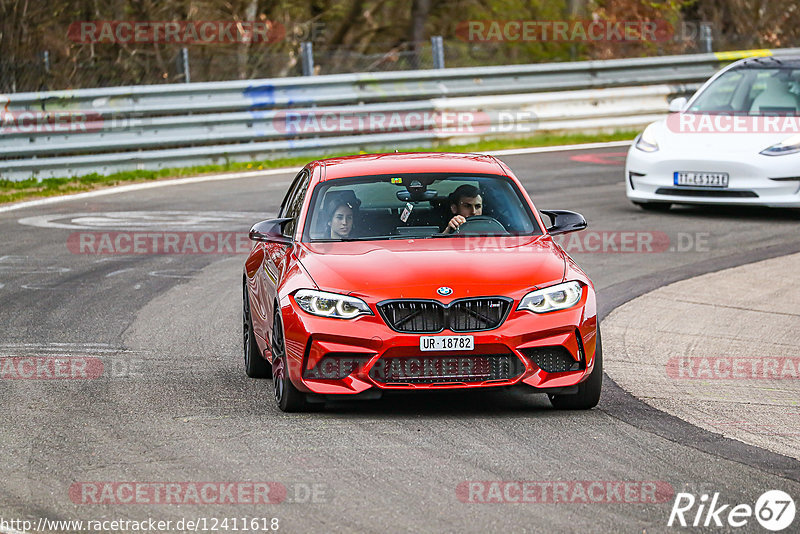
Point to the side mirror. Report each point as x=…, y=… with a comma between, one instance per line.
x=676, y=106
x=271, y=231
x=564, y=221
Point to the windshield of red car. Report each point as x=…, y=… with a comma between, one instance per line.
x=397, y=206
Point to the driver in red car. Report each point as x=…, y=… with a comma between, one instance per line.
x=465, y=201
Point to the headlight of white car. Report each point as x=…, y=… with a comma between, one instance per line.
x=327, y=304
x=647, y=141
x=790, y=145
x=557, y=297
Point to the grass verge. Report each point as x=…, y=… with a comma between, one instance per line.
x=32, y=188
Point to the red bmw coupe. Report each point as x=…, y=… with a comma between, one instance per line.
x=417, y=271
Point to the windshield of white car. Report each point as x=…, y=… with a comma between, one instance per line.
x=752, y=91
x=414, y=206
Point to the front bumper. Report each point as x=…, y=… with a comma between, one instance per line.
x=754, y=180
x=347, y=357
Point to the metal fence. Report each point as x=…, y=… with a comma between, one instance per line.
x=73, y=133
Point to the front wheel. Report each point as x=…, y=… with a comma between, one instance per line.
x=287, y=396
x=588, y=394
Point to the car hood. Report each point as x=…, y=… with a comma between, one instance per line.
x=672, y=139
x=416, y=268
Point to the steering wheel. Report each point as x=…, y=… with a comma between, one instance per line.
x=482, y=224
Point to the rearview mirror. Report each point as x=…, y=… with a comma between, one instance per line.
x=270, y=231
x=676, y=106
x=416, y=196
x=564, y=221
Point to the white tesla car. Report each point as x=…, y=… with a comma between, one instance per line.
x=736, y=141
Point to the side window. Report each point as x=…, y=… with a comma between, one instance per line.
x=294, y=201
x=290, y=193
x=719, y=96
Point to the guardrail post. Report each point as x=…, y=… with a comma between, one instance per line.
x=706, y=37
x=307, y=53
x=187, y=78
x=437, y=49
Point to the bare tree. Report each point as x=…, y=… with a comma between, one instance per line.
x=420, y=9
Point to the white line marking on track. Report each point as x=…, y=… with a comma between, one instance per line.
x=43, y=270
x=146, y=220
x=66, y=351
x=52, y=286
x=115, y=273
x=116, y=258
x=60, y=354
x=54, y=344
x=148, y=185
x=173, y=273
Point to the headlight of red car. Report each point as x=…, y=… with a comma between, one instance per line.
x=334, y=305
x=557, y=297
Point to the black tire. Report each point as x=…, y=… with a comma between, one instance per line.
x=588, y=394
x=654, y=206
x=255, y=366
x=288, y=398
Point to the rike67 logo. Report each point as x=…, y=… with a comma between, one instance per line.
x=774, y=510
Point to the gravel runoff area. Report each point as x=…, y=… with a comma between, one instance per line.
x=720, y=351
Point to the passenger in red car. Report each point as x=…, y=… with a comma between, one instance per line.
x=341, y=209
x=465, y=201
x=341, y=223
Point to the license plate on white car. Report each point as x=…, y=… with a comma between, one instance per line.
x=701, y=179
x=462, y=343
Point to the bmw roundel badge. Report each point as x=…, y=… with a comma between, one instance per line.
x=444, y=291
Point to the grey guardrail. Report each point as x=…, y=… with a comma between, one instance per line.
x=63, y=133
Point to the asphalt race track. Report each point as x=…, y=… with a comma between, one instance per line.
x=172, y=403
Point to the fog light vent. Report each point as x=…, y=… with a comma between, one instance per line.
x=552, y=359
